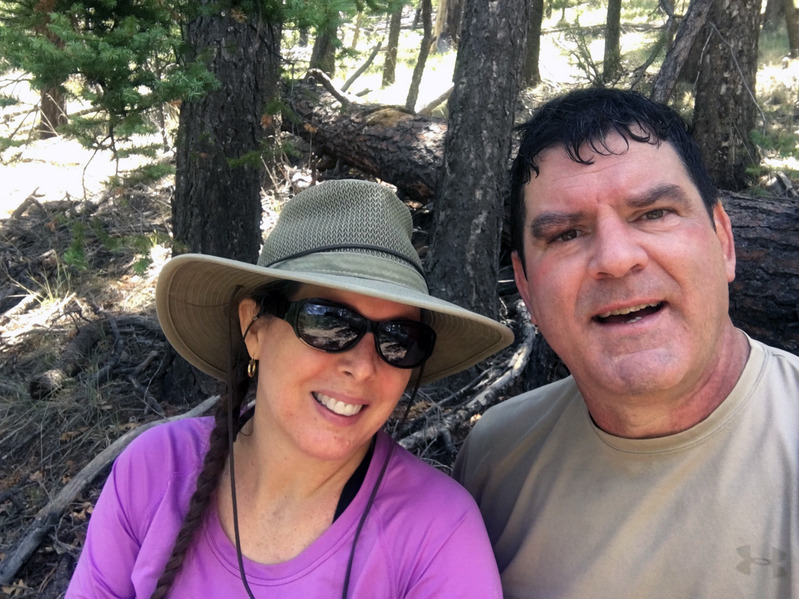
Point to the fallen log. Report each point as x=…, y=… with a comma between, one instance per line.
x=406, y=150
x=388, y=142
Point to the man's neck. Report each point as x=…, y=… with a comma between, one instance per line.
x=670, y=411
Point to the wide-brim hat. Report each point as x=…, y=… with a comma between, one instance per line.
x=349, y=235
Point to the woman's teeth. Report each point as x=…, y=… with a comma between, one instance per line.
x=338, y=407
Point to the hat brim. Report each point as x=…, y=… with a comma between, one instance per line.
x=194, y=291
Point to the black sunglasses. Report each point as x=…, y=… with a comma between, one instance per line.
x=332, y=327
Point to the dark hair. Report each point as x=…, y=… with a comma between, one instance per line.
x=238, y=385
x=586, y=117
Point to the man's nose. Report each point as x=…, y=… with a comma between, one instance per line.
x=616, y=249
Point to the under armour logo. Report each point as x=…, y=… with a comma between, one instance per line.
x=778, y=558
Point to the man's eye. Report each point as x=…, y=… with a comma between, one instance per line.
x=566, y=235
x=656, y=214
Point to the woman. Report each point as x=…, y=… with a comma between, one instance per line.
x=302, y=495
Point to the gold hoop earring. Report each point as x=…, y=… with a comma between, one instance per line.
x=252, y=367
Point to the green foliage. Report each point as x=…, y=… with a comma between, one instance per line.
x=119, y=57
x=75, y=256
x=582, y=53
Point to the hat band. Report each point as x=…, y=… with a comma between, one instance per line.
x=354, y=246
x=375, y=272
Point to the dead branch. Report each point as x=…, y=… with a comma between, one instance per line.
x=362, y=68
x=428, y=108
x=27, y=202
x=483, y=400
x=50, y=514
x=322, y=78
x=690, y=27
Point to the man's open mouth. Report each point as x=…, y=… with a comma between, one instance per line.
x=628, y=315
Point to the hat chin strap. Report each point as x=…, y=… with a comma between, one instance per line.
x=353, y=246
x=361, y=522
x=377, y=483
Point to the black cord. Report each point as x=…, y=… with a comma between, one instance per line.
x=230, y=439
x=383, y=468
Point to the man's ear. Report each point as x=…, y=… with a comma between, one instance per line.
x=248, y=310
x=522, y=284
x=724, y=233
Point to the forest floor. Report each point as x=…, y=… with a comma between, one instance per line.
x=80, y=348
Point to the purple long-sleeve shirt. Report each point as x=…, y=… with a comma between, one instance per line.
x=423, y=537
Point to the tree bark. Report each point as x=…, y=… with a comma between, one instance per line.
x=792, y=22
x=424, y=51
x=691, y=26
x=390, y=66
x=612, y=61
x=532, y=75
x=773, y=14
x=386, y=141
x=217, y=208
x=53, y=106
x=323, y=55
x=725, y=109
x=469, y=204
x=447, y=29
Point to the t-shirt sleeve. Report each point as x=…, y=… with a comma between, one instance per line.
x=109, y=553
x=463, y=567
x=135, y=519
x=438, y=529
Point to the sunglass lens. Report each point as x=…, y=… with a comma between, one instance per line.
x=405, y=344
x=329, y=328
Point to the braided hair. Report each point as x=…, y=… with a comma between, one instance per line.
x=238, y=385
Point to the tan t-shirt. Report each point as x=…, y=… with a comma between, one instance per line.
x=713, y=511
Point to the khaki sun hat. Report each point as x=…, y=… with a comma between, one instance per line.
x=350, y=235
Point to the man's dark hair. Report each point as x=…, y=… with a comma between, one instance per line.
x=586, y=117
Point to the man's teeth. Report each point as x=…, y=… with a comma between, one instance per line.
x=339, y=407
x=631, y=309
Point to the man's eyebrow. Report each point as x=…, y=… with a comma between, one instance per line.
x=675, y=192
x=545, y=223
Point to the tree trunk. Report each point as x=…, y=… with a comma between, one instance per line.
x=792, y=21
x=401, y=148
x=53, y=106
x=390, y=66
x=217, y=209
x=447, y=29
x=773, y=14
x=532, y=75
x=424, y=51
x=726, y=108
x=612, y=63
x=469, y=204
x=678, y=55
x=52, y=103
x=323, y=55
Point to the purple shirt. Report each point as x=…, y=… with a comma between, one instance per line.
x=423, y=537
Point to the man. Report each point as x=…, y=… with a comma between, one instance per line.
x=667, y=464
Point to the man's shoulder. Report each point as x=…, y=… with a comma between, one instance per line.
x=530, y=409
x=523, y=421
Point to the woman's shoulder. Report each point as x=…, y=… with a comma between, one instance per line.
x=423, y=486
x=173, y=445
